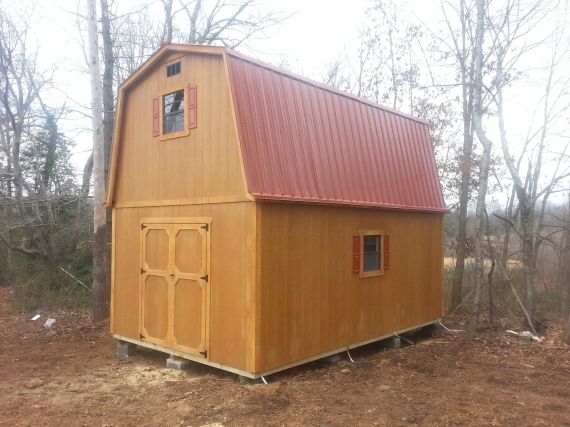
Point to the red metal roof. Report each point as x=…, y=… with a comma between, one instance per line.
x=305, y=142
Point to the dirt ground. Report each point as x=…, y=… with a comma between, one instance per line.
x=69, y=376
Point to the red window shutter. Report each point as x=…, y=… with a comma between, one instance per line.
x=356, y=254
x=192, y=107
x=386, y=242
x=156, y=117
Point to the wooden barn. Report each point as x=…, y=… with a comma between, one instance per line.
x=262, y=220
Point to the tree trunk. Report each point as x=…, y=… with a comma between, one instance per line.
x=100, y=298
x=483, y=169
x=466, y=158
x=527, y=228
x=168, y=18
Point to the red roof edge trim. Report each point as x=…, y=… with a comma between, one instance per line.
x=322, y=86
x=341, y=202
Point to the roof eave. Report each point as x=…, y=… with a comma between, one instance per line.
x=348, y=203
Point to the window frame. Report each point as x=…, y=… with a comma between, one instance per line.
x=185, y=131
x=173, y=66
x=373, y=273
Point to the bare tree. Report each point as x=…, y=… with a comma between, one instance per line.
x=100, y=302
x=484, y=164
x=464, y=55
x=516, y=23
x=565, y=271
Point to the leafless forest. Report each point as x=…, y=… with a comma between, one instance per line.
x=493, y=80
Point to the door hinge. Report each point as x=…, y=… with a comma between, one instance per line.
x=204, y=353
x=204, y=278
x=205, y=227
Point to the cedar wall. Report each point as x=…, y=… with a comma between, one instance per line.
x=205, y=163
x=311, y=302
x=194, y=176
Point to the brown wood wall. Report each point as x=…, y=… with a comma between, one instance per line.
x=231, y=281
x=198, y=175
x=311, y=302
x=205, y=163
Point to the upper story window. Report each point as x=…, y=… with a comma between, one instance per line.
x=173, y=69
x=173, y=112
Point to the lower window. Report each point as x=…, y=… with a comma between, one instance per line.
x=371, y=253
x=372, y=256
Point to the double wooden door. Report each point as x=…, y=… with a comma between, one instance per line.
x=174, y=284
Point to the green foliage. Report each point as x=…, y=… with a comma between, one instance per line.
x=38, y=285
x=45, y=159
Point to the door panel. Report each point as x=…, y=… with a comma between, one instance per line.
x=188, y=306
x=155, y=321
x=156, y=254
x=174, y=285
x=189, y=241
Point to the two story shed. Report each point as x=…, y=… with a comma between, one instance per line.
x=261, y=220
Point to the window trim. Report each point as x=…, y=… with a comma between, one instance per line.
x=374, y=273
x=173, y=135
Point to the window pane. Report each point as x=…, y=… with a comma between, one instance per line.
x=173, y=112
x=174, y=122
x=371, y=260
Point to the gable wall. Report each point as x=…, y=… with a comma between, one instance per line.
x=204, y=164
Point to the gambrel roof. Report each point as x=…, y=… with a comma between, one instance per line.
x=305, y=142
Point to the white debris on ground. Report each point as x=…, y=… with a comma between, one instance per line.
x=49, y=323
x=525, y=336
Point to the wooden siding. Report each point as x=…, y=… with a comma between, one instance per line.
x=231, y=282
x=310, y=300
x=203, y=164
